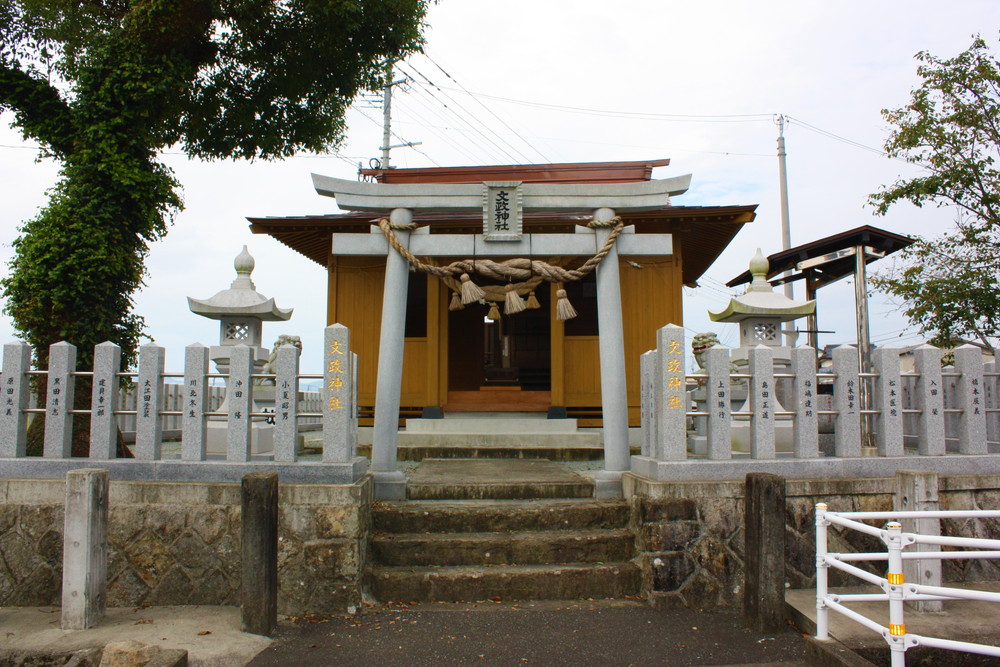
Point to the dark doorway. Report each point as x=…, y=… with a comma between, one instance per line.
x=511, y=352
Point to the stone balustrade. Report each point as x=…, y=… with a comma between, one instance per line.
x=241, y=419
x=713, y=425
x=945, y=420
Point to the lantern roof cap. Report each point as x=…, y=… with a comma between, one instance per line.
x=760, y=299
x=242, y=297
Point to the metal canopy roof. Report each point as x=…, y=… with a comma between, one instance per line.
x=829, y=259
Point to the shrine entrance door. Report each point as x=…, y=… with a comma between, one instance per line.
x=503, y=365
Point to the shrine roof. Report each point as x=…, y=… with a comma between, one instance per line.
x=574, y=172
x=701, y=232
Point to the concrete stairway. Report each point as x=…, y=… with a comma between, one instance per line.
x=470, y=550
x=497, y=435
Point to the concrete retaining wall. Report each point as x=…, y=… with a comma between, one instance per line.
x=179, y=543
x=690, y=535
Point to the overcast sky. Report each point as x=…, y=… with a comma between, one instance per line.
x=536, y=81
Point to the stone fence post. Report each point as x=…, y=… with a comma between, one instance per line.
x=338, y=394
x=259, y=544
x=917, y=490
x=85, y=549
x=16, y=394
x=286, y=403
x=670, y=395
x=104, y=401
x=929, y=394
x=60, y=389
x=764, y=552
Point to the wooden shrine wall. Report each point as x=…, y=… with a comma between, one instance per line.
x=651, y=298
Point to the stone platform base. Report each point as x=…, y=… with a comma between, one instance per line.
x=261, y=438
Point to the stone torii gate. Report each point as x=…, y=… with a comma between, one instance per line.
x=605, y=200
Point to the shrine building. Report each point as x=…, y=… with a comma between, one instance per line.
x=517, y=228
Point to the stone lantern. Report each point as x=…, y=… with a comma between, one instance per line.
x=241, y=311
x=760, y=312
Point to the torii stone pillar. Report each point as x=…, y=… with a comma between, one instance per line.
x=614, y=398
x=391, y=482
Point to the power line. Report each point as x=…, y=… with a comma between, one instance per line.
x=837, y=137
x=378, y=124
x=493, y=113
x=461, y=125
x=473, y=116
x=648, y=147
x=433, y=128
x=459, y=114
x=718, y=118
x=484, y=144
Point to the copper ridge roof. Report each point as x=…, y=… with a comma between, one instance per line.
x=573, y=172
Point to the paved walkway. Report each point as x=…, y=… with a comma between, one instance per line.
x=526, y=633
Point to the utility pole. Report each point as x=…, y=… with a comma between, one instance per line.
x=387, y=119
x=786, y=232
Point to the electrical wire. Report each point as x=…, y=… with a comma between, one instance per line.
x=405, y=109
x=474, y=117
x=723, y=118
x=493, y=113
x=487, y=146
x=399, y=138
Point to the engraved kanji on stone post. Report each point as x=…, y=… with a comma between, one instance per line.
x=16, y=392
x=338, y=394
x=670, y=401
x=193, y=402
x=59, y=402
x=718, y=403
x=804, y=393
x=286, y=403
x=104, y=402
x=846, y=402
x=762, y=402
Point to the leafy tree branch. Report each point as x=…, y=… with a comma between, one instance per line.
x=950, y=286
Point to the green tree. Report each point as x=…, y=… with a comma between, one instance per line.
x=103, y=86
x=950, y=286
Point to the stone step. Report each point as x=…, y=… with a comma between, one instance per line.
x=489, y=425
x=483, y=516
x=458, y=479
x=522, y=582
x=474, y=423
x=501, y=438
x=560, y=451
x=529, y=548
x=499, y=490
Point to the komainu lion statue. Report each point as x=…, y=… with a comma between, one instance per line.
x=702, y=342
x=270, y=366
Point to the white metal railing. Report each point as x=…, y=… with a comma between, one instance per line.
x=896, y=591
